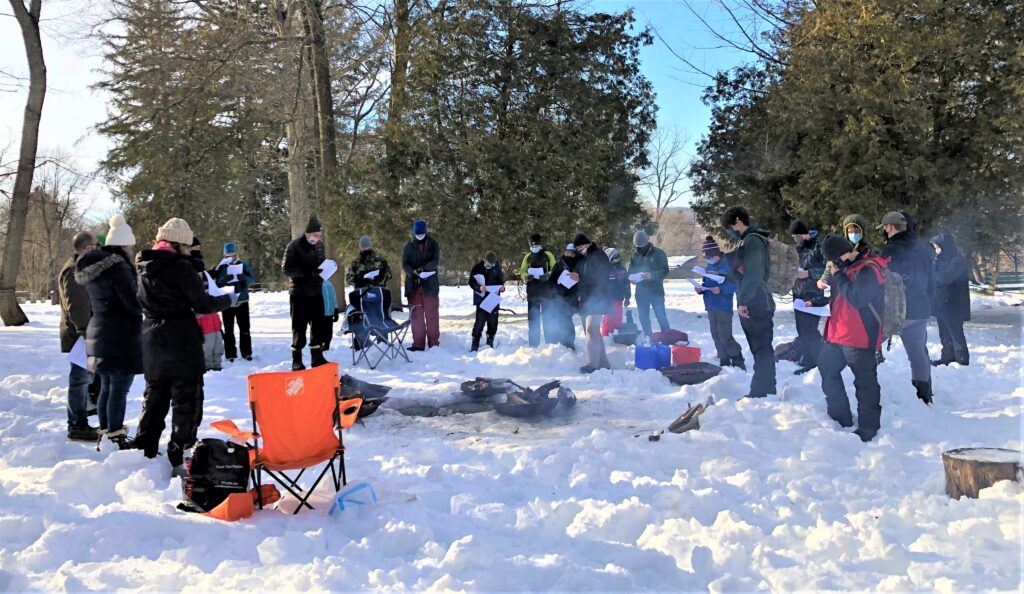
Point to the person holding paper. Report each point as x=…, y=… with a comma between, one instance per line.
x=535, y=272
x=234, y=272
x=952, y=299
x=368, y=269
x=113, y=340
x=595, y=299
x=718, y=297
x=853, y=334
x=564, y=302
x=74, y=319
x=807, y=293
x=213, y=340
x=302, y=260
x=171, y=294
x=652, y=263
x=493, y=281
x=421, y=259
x=756, y=305
x=618, y=287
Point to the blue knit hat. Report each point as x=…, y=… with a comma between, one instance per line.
x=230, y=248
x=419, y=227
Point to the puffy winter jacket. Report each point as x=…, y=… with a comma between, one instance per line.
x=595, y=293
x=494, y=276
x=952, y=276
x=752, y=267
x=368, y=261
x=811, y=260
x=171, y=295
x=570, y=296
x=113, y=338
x=618, y=282
x=301, y=264
x=421, y=256
x=857, y=287
x=654, y=261
x=912, y=260
x=241, y=284
x=74, y=307
x=724, y=299
x=537, y=288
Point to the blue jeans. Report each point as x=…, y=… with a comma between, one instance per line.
x=113, y=398
x=645, y=301
x=78, y=396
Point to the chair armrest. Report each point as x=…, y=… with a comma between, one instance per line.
x=348, y=411
x=228, y=427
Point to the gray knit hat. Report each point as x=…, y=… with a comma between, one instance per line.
x=640, y=238
x=365, y=242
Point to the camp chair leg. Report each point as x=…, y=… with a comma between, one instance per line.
x=259, y=491
x=285, y=482
x=334, y=478
x=344, y=477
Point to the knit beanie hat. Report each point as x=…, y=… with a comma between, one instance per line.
x=175, y=231
x=536, y=239
x=613, y=254
x=640, y=238
x=835, y=246
x=365, y=242
x=230, y=248
x=419, y=227
x=120, y=233
x=490, y=257
x=314, y=226
x=580, y=239
x=798, y=227
x=710, y=247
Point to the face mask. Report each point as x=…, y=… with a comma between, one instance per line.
x=938, y=250
x=714, y=259
x=734, y=233
x=583, y=250
x=535, y=249
x=313, y=240
x=420, y=237
x=488, y=266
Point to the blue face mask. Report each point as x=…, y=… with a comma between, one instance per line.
x=488, y=266
x=535, y=249
x=734, y=233
x=855, y=237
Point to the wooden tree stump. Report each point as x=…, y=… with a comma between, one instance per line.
x=969, y=470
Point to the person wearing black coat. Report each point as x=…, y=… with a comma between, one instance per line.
x=113, y=338
x=952, y=305
x=912, y=260
x=595, y=299
x=421, y=259
x=302, y=260
x=564, y=301
x=490, y=270
x=74, y=320
x=171, y=295
x=806, y=291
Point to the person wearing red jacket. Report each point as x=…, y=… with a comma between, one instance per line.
x=853, y=333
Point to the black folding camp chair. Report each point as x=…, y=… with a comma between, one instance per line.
x=375, y=335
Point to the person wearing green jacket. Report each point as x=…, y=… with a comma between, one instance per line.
x=755, y=304
x=535, y=271
x=652, y=263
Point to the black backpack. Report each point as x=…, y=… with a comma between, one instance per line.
x=217, y=469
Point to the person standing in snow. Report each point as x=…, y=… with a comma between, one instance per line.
x=325, y=325
x=718, y=297
x=564, y=301
x=852, y=335
x=171, y=295
x=421, y=259
x=239, y=313
x=853, y=229
x=367, y=262
x=595, y=298
x=489, y=269
x=805, y=290
x=538, y=289
x=909, y=258
x=113, y=340
x=74, y=319
x=213, y=341
x=754, y=302
x=302, y=260
x=650, y=292
x=618, y=288
x=952, y=305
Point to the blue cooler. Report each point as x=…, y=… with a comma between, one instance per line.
x=655, y=356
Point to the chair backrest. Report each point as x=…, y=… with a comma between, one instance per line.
x=372, y=306
x=294, y=412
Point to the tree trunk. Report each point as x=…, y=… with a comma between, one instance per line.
x=969, y=470
x=295, y=127
x=396, y=104
x=326, y=126
x=28, y=19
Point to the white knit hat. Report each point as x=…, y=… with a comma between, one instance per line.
x=120, y=233
x=175, y=231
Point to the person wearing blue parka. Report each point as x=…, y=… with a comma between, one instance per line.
x=718, y=298
x=239, y=313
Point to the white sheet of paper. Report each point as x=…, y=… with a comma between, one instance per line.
x=565, y=280
x=715, y=277
x=225, y=261
x=427, y=274
x=636, y=277
x=235, y=269
x=494, y=288
x=77, y=355
x=696, y=284
x=327, y=269
x=535, y=272
x=372, y=274
x=824, y=311
x=214, y=290
x=479, y=278
x=490, y=302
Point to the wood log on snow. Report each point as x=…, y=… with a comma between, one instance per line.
x=969, y=470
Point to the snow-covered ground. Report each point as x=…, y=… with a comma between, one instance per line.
x=768, y=495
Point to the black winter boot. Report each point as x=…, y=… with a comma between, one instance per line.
x=121, y=439
x=318, y=359
x=83, y=433
x=490, y=341
x=297, y=361
x=476, y=344
x=739, y=362
x=924, y=391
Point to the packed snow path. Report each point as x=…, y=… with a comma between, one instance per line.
x=768, y=495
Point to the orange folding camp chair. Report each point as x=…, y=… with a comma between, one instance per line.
x=298, y=418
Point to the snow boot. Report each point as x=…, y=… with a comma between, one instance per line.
x=924, y=391
x=804, y=370
x=121, y=439
x=318, y=359
x=476, y=344
x=942, y=361
x=83, y=433
x=490, y=341
x=297, y=361
x=738, y=362
x=865, y=435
